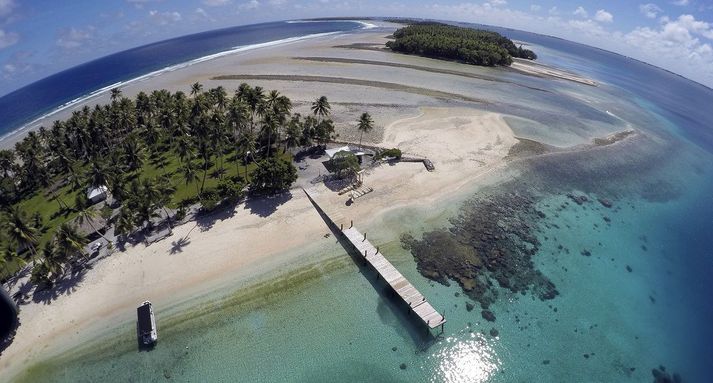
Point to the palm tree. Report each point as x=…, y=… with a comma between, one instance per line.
x=69, y=242
x=98, y=174
x=269, y=127
x=20, y=231
x=165, y=190
x=293, y=133
x=189, y=174
x=7, y=162
x=246, y=146
x=124, y=221
x=53, y=263
x=321, y=107
x=365, y=125
x=133, y=157
x=196, y=89
x=115, y=94
x=87, y=214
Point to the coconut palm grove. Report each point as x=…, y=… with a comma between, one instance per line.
x=157, y=155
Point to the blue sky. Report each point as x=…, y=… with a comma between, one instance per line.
x=41, y=37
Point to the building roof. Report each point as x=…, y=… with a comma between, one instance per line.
x=93, y=192
x=85, y=228
x=332, y=152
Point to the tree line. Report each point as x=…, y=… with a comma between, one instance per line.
x=154, y=151
x=471, y=46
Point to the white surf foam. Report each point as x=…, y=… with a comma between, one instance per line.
x=34, y=123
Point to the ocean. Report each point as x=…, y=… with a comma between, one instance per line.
x=633, y=277
x=73, y=85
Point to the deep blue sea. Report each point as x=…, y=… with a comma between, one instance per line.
x=638, y=300
x=32, y=101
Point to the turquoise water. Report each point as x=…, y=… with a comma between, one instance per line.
x=333, y=322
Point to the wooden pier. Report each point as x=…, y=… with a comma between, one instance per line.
x=415, y=301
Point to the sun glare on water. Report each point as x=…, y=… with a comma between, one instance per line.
x=471, y=360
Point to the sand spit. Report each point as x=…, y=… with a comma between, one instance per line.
x=351, y=81
x=415, y=67
x=537, y=69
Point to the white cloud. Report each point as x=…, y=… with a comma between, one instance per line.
x=649, y=10
x=216, y=3
x=8, y=38
x=139, y=4
x=72, y=38
x=535, y=8
x=683, y=45
x=581, y=12
x=680, y=2
x=252, y=4
x=699, y=27
x=6, y=7
x=202, y=14
x=18, y=64
x=165, y=18
x=603, y=16
x=495, y=3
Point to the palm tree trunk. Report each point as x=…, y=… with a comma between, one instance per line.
x=269, y=136
x=168, y=219
x=360, y=137
x=96, y=231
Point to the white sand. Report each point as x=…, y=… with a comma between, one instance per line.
x=464, y=144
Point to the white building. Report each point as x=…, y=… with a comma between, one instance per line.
x=97, y=194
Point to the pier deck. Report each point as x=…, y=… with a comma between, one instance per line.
x=401, y=286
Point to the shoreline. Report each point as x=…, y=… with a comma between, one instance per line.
x=468, y=146
x=185, y=278
x=19, y=133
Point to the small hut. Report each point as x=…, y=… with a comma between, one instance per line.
x=91, y=227
x=97, y=194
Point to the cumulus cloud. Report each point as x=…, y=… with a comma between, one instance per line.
x=680, y=2
x=8, y=38
x=165, y=18
x=535, y=8
x=649, y=10
x=581, y=12
x=603, y=16
x=72, y=38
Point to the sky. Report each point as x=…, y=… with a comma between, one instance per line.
x=42, y=37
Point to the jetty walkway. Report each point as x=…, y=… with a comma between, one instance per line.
x=415, y=301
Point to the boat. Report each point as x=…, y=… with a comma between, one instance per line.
x=146, y=324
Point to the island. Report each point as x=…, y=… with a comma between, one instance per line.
x=467, y=45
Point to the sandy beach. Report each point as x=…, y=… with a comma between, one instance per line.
x=437, y=113
x=234, y=248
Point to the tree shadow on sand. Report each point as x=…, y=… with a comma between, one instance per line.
x=177, y=246
x=206, y=219
x=63, y=286
x=264, y=206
